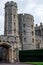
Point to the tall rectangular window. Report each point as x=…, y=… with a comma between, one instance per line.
x=24, y=39
x=14, y=30
x=33, y=40
x=32, y=26
x=24, y=32
x=24, y=25
x=32, y=33
x=14, y=23
x=14, y=16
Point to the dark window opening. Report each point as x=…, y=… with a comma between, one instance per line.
x=24, y=39
x=32, y=33
x=32, y=26
x=24, y=25
x=32, y=40
x=24, y=32
x=14, y=23
x=14, y=16
x=14, y=30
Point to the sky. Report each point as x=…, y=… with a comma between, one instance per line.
x=33, y=7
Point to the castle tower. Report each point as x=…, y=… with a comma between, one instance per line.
x=11, y=21
x=11, y=26
x=26, y=31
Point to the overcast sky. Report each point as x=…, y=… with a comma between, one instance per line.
x=33, y=7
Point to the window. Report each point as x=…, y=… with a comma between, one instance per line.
x=32, y=40
x=32, y=26
x=32, y=33
x=24, y=32
x=14, y=16
x=24, y=39
x=14, y=30
x=24, y=25
x=14, y=23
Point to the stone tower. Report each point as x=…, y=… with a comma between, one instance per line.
x=11, y=20
x=11, y=26
x=26, y=31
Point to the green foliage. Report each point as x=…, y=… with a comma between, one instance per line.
x=31, y=55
